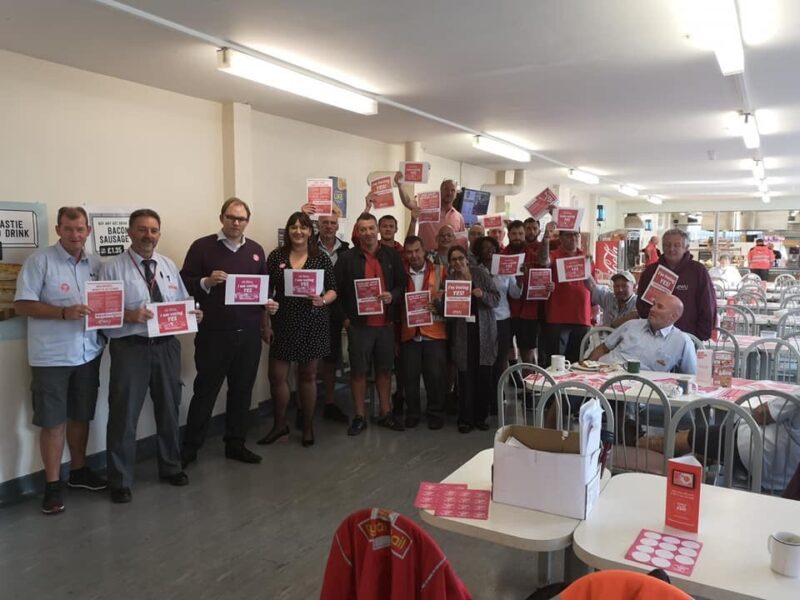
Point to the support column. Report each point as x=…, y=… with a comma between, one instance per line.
x=237, y=151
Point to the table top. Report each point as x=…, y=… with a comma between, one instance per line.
x=734, y=562
x=507, y=525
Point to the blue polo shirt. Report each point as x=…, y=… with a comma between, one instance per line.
x=667, y=349
x=54, y=277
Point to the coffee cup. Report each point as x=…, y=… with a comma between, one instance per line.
x=784, y=548
x=633, y=366
x=685, y=385
x=559, y=363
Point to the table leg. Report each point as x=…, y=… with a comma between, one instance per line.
x=545, y=565
x=573, y=567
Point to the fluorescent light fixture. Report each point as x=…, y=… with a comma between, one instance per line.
x=283, y=78
x=583, y=176
x=493, y=146
x=758, y=170
x=653, y=199
x=628, y=190
x=762, y=186
x=714, y=25
x=750, y=132
x=765, y=198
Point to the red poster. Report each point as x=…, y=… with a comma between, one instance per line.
x=368, y=293
x=538, y=284
x=684, y=477
x=417, y=312
x=541, y=203
x=171, y=318
x=106, y=299
x=568, y=219
x=319, y=193
x=606, y=254
x=247, y=289
x=507, y=264
x=415, y=172
x=457, y=298
x=430, y=205
x=663, y=282
x=572, y=268
x=382, y=188
x=304, y=283
x=492, y=221
x=722, y=368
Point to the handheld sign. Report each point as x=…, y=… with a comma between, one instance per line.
x=539, y=205
x=382, y=188
x=663, y=282
x=302, y=283
x=417, y=312
x=319, y=193
x=246, y=289
x=171, y=318
x=430, y=206
x=107, y=301
x=457, y=298
x=368, y=293
x=492, y=221
x=568, y=219
x=415, y=172
x=572, y=268
x=507, y=264
x=538, y=284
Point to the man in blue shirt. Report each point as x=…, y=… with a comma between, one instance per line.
x=64, y=357
x=619, y=305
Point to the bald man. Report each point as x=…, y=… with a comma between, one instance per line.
x=655, y=341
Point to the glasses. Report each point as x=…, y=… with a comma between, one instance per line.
x=234, y=219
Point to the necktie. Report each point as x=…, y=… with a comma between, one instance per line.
x=150, y=279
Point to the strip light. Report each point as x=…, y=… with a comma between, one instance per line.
x=728, y=38
x=750, y=132
x=273, y=75
x=758, y=170
x=628, y=190
x=583, y=176
x=765, y=198
x=493, y=146
x=762, y=186
x=653, y=199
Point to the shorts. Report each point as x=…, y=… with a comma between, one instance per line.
x=526, y=331
x=61, y=393
x=371, y=345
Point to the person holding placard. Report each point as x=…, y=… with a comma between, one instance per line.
x=300, y=330
x=387, y=227
x=448, y=214
x=64, y=357
x=371, y=336
x=618, y=305
x=140, y=363
x=474, y=341
x=693, y=285
x=228, y=342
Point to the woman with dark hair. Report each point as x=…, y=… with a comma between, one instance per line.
x=299, y=332
x=474, y=341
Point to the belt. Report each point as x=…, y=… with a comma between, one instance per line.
x=145, y=341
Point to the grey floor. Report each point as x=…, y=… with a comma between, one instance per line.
x=245, y=531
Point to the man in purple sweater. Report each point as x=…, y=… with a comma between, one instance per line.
x=694, y=286
x=228, y=342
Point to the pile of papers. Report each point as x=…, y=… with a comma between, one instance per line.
x=453, y=500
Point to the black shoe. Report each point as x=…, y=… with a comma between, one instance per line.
x=482, y=426
x=275, y=435
x=187, y=458
x=391, y=422
x=178, y=479
x=299, y=419
x=357, y=425
x=308, y=437
x=86, y=479
x=464, y=428
x=333, y=413
x=53, y=503
x=435, y=422
x=121, y=495
x=241, y=453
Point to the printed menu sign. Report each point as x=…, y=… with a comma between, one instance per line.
x=663, y=282
x=417, y=312
x=415, y=172
x=382, y=188
x=507, y=264
x=106, y=299
x=430, y=205
x=246, y=289
x=684, y=476
x=319, y=193
x=722, y=368
x=541, y=203
x=492, y=221
x=302, y=283
x=457, y=298
x=538, y=284
x=568, y=219
x=368, y=293
x=171, y=318
x=572, y=268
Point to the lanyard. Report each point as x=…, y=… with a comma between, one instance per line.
x=141, y=274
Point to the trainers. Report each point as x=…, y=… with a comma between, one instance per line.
x=391, y=422
x=52, y=504
x=357, y=425
x=86, y=479
x=334, y=413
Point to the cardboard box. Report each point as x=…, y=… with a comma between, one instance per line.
x=547, y=471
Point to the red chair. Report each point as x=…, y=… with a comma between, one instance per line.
x=377, y=554
x=621, y=585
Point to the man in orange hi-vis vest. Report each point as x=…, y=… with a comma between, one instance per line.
x=760, y=259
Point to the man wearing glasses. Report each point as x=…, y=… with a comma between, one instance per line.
x=228, y=342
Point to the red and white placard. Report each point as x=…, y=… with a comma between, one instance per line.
x=415, y=172
x=568, y=219
x=684, y=479
x=430, y=207
x=106, y=299
x=418, y=313
x=666, y=551
x=538, y=284
x=171, y=318
x=382, y=188
x=302, y=283
x=457, y=298
x=246, y=289
x=507, y=264
x=663, y=282
x=539, y=205
x=368, y=292
x=572, y=268
x=491, y=221
x=319, y=193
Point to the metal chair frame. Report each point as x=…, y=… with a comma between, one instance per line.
x=521, y=397
x=744, y=320
x=598, y=333
x=772, y=358
x=725, y=341
x=560, y=393
x=789, y=323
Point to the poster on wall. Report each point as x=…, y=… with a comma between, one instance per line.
x=109, y=235
x=340, y=194
x=23, y=230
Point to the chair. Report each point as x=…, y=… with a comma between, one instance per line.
x=751, y=278
x=739, y=320
x=377, y=553
x=698, y=343
x=789, y=323
x=771, y=358
x=784, y=280
x=632, y=397
x=791, y=301
x=793, y=339
x=789, y=290
x=722, y=339
x=621, y=585
x=560, y=394
x=719, y=288
x=517, y=390
x=717, y=458
x=781, y=445
x=755, y=302
x=593, y=338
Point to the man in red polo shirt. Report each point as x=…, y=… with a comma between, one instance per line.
x=568, y=310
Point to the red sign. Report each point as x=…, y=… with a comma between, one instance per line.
x=568, y=219
x=415, y=172
x=247, y=289
x=663, y=282
x=507, y=264
x=319, y=193
x=457, y=298
x=430, y=205
x=492, y=221
x=368, y=293
x=538, y=284
x=606, y=254
x=105, y=299
x=382, y=188
x=541, y=203
x=304, y=283
x=172, y=318
x=571, y=268
x=417, y=312
x=684, y=478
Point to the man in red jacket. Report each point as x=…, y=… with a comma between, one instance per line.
x=760, y=259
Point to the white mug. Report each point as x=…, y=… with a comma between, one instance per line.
x=560, y=363
x=784, y=547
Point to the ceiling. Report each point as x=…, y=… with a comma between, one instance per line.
x=614, y=87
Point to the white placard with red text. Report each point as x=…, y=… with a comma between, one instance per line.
x=171, y=318
x=302, y=283
x=457, y=298
x=415, y=172
x=539, y=284
x=430, y=206
x=368, y=293
x=418, y=313
x=568, y=219
x=507, y=264
x=319, y=193
x=572, y=268
x=106, y=299
x=663, y=282
x=492, y=221
x=246, y=289
x=382, y=188
x=539, y=205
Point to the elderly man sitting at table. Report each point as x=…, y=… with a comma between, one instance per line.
x=655, y=341
x=727, y=272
